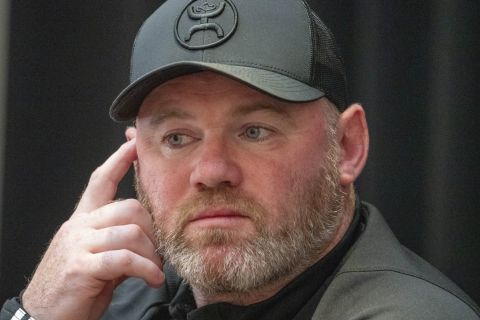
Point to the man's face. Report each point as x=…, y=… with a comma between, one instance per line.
x=243, y=188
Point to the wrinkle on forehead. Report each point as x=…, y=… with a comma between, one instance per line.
x=209, y=88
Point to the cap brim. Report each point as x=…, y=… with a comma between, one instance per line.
x=126, y=105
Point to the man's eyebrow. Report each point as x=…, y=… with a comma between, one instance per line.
x=169, y=114
x=263, y=106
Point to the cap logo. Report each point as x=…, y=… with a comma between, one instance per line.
x=206, y=23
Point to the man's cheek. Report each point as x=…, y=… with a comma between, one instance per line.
x=164, y=219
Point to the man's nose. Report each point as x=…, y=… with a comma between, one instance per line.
x=215, y=167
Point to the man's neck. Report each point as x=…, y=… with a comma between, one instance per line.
x=271, y=289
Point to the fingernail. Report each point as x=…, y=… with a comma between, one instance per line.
x=160, y=280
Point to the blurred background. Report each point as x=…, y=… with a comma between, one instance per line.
x=414, y=65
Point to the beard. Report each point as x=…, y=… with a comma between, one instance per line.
x=220, y=261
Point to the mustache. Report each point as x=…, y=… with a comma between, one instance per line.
x=221, y=198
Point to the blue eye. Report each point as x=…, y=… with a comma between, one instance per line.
x=256, y=133
x=253, y=132
x=177, y=140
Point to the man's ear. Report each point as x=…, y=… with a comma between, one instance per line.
x=130, y=133
x=352, y=135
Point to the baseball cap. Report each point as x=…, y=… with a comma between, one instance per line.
x=280, y=47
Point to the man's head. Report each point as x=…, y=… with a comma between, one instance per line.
x=246, y=165
x=244, y=188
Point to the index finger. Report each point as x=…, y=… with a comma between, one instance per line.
x=102, y=187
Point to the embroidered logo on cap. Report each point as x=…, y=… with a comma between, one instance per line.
x=206, y=23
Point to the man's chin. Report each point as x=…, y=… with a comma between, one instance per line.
x=216, y=239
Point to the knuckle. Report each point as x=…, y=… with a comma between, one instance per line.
x=66, y=229
x=81, y=218
x=121, y=258
x=107, y=260
x=68, y=240
x=134, y=232
x=75, y=268
x=111, y=234
x=77, y=238
x=125, y=259
x=95, y=174
x=134, y=206
x=99, y=212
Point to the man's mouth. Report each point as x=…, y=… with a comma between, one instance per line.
x=219, y=218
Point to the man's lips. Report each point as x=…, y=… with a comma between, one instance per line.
x=218, y=218
x=216, y=214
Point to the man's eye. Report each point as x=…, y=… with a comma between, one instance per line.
x=177, y=140
x=256, y=133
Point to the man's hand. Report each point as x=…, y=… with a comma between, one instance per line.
x=102, y=243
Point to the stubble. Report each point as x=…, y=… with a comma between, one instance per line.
x=219, y=261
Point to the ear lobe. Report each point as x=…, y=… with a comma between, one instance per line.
x=352, y=133
x=130, y=133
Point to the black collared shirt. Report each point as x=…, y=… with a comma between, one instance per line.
x=296, y=301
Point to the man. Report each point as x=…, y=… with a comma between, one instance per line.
x=245, y=155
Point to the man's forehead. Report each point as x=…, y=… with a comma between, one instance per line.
x=206, y=84
x=186, y=97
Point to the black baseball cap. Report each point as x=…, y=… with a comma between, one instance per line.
x=280, y=47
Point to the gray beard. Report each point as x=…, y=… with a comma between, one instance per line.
x=217, y=262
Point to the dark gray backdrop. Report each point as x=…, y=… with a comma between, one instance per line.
x=412, y=64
